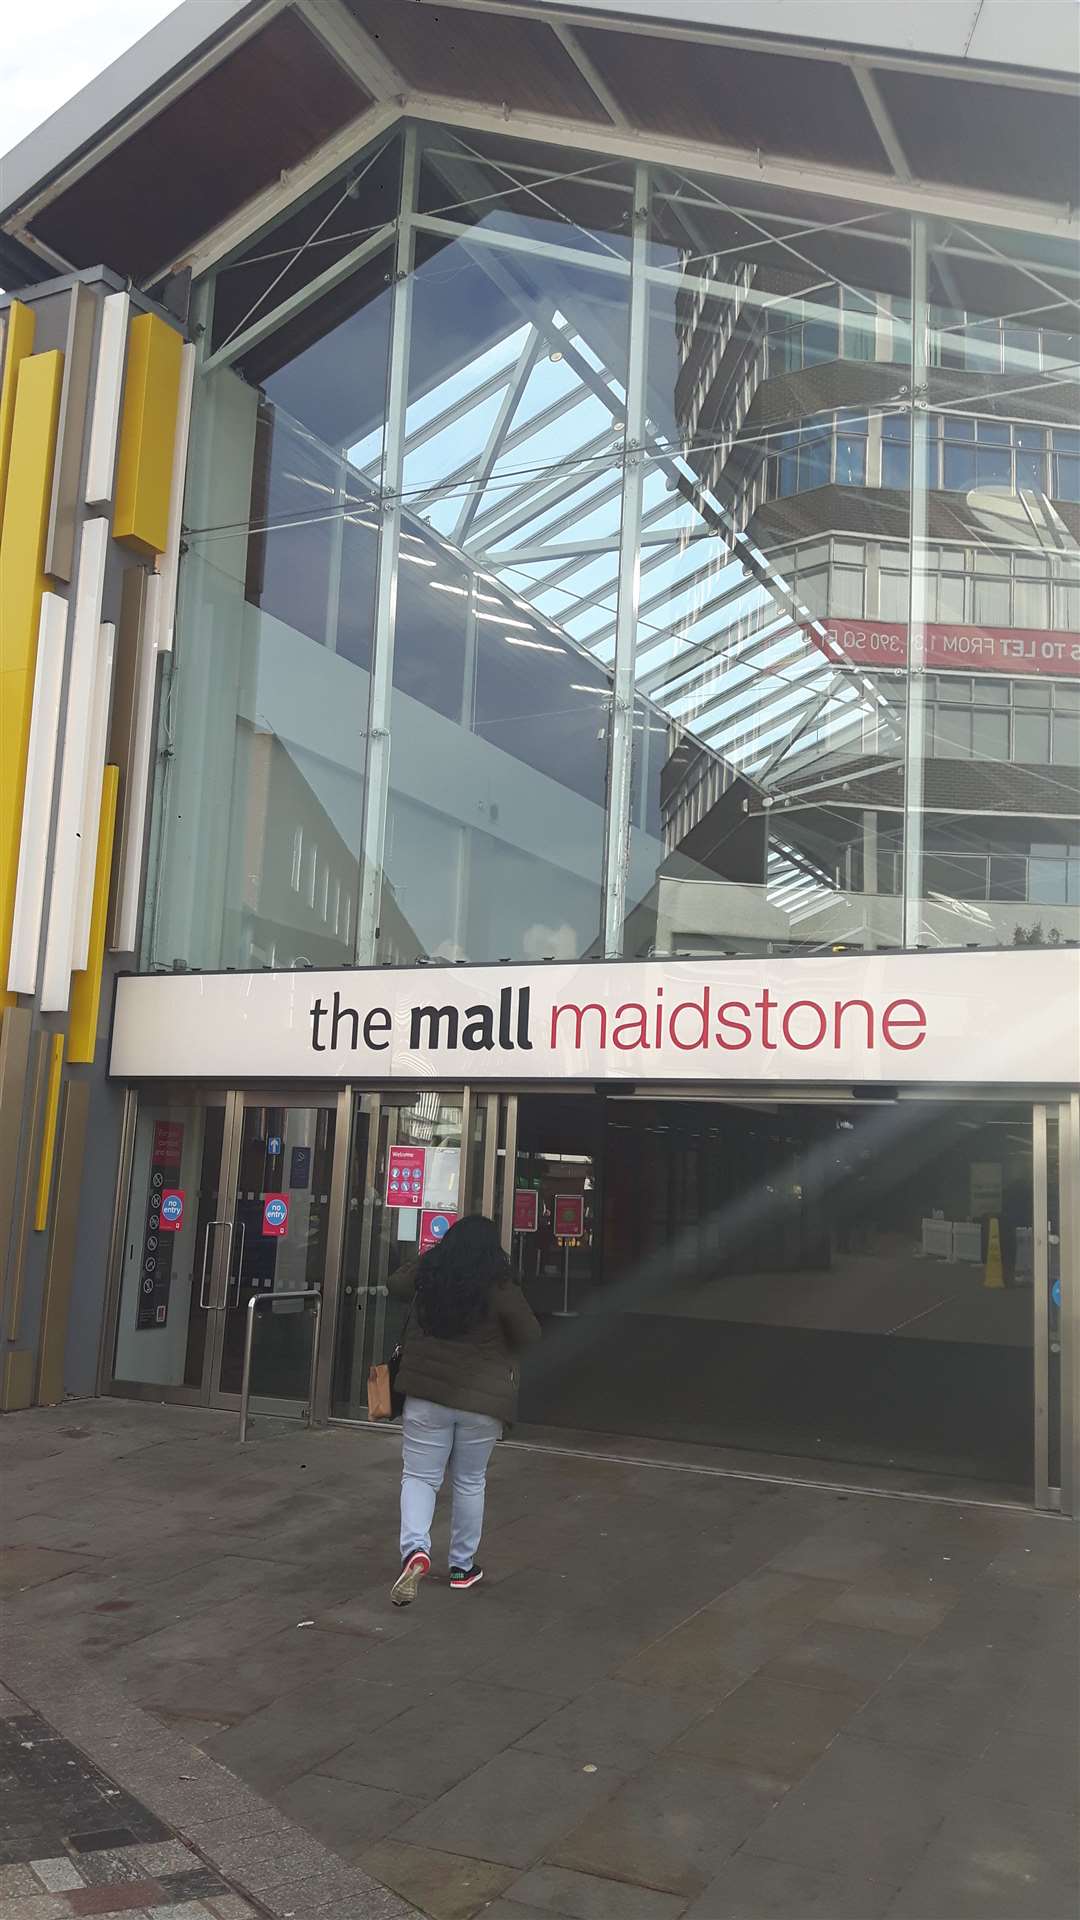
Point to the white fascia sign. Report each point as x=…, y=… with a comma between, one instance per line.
x=948, y=1018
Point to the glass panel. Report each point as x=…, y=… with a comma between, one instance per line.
x=840, y=1283
x=769, y=698
x=170, y=1244
x=416, y=1173
x=278, y=1245
x=261, y=791
x=513, y=484
x=1004, y=616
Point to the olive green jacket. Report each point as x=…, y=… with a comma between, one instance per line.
x=477, y=1371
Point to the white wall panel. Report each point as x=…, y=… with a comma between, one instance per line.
x=38, y=796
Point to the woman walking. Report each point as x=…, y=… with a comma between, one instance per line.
x=459, y=1376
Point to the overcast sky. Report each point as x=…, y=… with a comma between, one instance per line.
x=51, y=48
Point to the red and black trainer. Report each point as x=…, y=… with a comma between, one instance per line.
x=461, y=1580
x=414, y=1568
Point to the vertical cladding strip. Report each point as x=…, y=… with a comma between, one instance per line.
x=108, y=393
x=86, y=646
x=96, y=744
x=63, y=1244
x=22, y=584
x=38, y=797
x=65, y=506
x=15, y=1036
x=18, y=342
x=48, y=1134
x=125, y=928
x=86, y=983
x=144, y=468
x=170, y=563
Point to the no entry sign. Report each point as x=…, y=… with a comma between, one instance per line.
x=275, y=1215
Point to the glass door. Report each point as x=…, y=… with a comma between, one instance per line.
x=278, y=1240
x=174, y=1245
x=406, y=1185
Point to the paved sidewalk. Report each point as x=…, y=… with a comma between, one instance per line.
x=677, y=1696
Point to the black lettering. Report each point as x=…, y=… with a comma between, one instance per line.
x=434, y=1017
x=318, y=1015
x=523, y=1020
x=477, y=1035
x=506, y=997
x=344, y=1013
x=382, y=1016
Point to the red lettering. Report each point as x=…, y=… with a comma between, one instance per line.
x=638, y=1015
x=805, y=1046
x=659, y=1017
x=768, y=1005
x=732, y=1046
x=844, y=1006
x=578, y=1014
x=700, y=1008
x=889, y=1021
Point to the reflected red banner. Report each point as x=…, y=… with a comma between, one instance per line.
x=884, y=643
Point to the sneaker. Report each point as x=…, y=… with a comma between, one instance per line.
x=460, y=1580
x=414, y=1568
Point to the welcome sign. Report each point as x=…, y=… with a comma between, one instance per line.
x=951, y=1018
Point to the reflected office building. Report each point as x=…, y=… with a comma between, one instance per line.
x=541, y=598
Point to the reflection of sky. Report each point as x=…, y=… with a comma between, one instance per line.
x=695, y=601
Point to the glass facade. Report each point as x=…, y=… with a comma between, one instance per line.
x=555, y=583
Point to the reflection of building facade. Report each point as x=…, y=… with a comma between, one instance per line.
x=469, y=524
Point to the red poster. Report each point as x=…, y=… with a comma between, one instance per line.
x=275, y=1223
x=168, y=1142
x=526, y=1210
x=974, y=649
x=569, y=1216
x=172, y=1209
x=405, y=1171
x=434, y=1226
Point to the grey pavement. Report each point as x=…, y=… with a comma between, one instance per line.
x=678, y=1695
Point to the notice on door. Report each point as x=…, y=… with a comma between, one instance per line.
x=164, y=1220
x=569, y=1216
x=406, y=1170
x=434, y=1226
x=275, y=1216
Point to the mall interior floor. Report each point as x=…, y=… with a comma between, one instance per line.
x=678, y=1695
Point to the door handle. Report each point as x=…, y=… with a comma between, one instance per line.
x=210, y=1225
x=238, y=1276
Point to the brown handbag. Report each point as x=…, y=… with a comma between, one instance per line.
x=378, y=1393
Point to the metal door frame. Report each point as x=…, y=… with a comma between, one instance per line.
x=242, y=1100
x=207, y=1268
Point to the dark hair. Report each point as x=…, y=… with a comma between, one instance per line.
x=455, y=1279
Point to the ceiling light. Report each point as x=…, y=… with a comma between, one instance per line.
x=443, y=586
x=578, y=686
x=505, y=621
x=540, y=646
x=416, y=560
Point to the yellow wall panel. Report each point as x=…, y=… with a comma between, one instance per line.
x=86, y=985
x=18, y=341
x=22, y=583
x=48, y=1134
x=147, y=432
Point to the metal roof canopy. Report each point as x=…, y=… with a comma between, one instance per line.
x=226, y=111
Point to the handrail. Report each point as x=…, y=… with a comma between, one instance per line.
x=258, y=1300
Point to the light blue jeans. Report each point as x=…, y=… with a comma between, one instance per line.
x=434, y=1437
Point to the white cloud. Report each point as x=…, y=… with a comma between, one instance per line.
x=51, y=49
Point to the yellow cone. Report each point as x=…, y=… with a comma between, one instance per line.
x=992, y=1274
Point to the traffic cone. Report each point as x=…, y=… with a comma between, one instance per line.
x=992, y=1273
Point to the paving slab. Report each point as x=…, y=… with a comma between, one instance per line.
x=836, y=1700
x=672, y=1825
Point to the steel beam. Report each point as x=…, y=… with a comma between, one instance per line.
x=377, y=776
x=621, y=728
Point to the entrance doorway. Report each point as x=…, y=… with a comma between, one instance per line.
x=846, y=1282
x=230, y=1197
